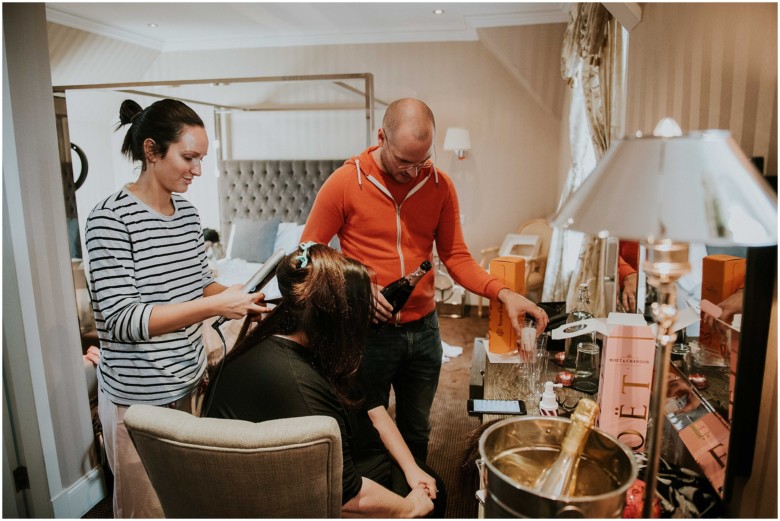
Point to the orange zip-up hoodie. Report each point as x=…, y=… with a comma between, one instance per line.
x=393, y=237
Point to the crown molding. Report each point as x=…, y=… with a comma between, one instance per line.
x=550, y=13
x=341, y=38
x=546, y=16
x=77, y=22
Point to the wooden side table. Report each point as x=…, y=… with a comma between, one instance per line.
x=500, y=382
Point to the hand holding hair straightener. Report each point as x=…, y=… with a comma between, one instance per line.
x=262, y=277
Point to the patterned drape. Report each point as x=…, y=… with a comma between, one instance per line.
x=563, y=243
x=593, y=58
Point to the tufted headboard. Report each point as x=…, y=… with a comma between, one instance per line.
x=267, y=189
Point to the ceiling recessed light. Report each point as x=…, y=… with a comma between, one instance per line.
x=151, y=25
x=438, y=11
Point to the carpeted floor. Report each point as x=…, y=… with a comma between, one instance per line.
x=451, y=424
x=103, y=510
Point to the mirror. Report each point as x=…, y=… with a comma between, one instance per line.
x=71, y=182
x=716, y=382
x=700, y=429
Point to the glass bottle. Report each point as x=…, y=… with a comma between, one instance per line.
x=580, y=312
x=560, y=478
x=397, y=292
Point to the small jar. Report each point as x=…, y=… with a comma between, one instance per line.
x=681, y=357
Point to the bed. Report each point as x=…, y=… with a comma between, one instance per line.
x=263, y=207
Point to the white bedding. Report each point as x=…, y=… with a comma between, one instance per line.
x=231, y=271
x=238, y=271
x=228, y=273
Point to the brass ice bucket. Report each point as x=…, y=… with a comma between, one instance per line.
x=514, y=453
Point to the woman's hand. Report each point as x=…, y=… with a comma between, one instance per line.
x=217, y=301
x=419, y=502
x=418, y=476
x=233, y=303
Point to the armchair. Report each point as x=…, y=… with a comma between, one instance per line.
x=208, y=467
x=535, y=260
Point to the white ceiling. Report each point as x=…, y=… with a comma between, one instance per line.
x=185, y=26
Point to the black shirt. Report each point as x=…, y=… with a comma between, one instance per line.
x=276, y=379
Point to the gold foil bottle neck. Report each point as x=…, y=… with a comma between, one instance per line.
x=560, y=478
x=582, y=420
x=585, y=412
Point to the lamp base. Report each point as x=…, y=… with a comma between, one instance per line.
x=666, y=262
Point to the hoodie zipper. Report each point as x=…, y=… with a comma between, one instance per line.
x=387, y=193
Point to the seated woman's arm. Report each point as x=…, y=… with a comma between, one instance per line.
x=376, y=501
x=399, y=451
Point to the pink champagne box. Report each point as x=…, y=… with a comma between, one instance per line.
x=626, y=374
x=707, y=440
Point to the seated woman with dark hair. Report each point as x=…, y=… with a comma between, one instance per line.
x=302, y=360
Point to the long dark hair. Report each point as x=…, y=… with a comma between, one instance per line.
x=330, y=301
x=163, y=121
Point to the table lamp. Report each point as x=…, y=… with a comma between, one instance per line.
x=667, y=190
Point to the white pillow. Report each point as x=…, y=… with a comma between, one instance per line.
x=252, y=240
x=288, y=236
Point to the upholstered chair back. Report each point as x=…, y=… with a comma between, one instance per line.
x=207, y=467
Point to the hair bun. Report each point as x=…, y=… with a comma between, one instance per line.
x=128, y=111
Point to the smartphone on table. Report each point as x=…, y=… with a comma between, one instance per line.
x=476, y=407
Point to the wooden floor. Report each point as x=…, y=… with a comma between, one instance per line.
x=451, y=425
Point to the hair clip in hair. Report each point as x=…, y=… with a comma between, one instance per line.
x=304, y=257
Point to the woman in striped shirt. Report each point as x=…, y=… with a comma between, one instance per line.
x=152, y=288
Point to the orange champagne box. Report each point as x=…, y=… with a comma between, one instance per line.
x=510, y=271
x=626, y=377
x=721, y=276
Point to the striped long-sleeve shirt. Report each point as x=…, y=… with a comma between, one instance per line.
x=139, y=258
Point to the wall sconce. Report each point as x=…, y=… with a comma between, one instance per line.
x=458, y=140
x=696, y=187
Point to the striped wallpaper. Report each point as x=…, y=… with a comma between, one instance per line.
x=707, y=66
x=532, y=54
x=79, y=57
x=505, y=99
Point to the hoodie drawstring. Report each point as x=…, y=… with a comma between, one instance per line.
x=360, y=180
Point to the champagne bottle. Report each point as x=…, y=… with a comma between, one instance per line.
x=560, y=478
x=580, y=312
x=397, y=292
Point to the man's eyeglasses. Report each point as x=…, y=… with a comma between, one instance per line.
x=409, y=168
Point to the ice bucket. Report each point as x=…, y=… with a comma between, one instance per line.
x=514, y=453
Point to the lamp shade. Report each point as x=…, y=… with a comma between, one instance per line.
x=697, y=187
x=457, y=139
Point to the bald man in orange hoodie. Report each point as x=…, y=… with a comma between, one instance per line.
x=388, y=205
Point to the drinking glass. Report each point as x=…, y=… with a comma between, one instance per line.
x=588, y=365
x=531, y=371
x=542, y=357
x=527, y=341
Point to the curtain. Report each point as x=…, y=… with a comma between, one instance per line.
x=565, y=244
x=592, y=57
